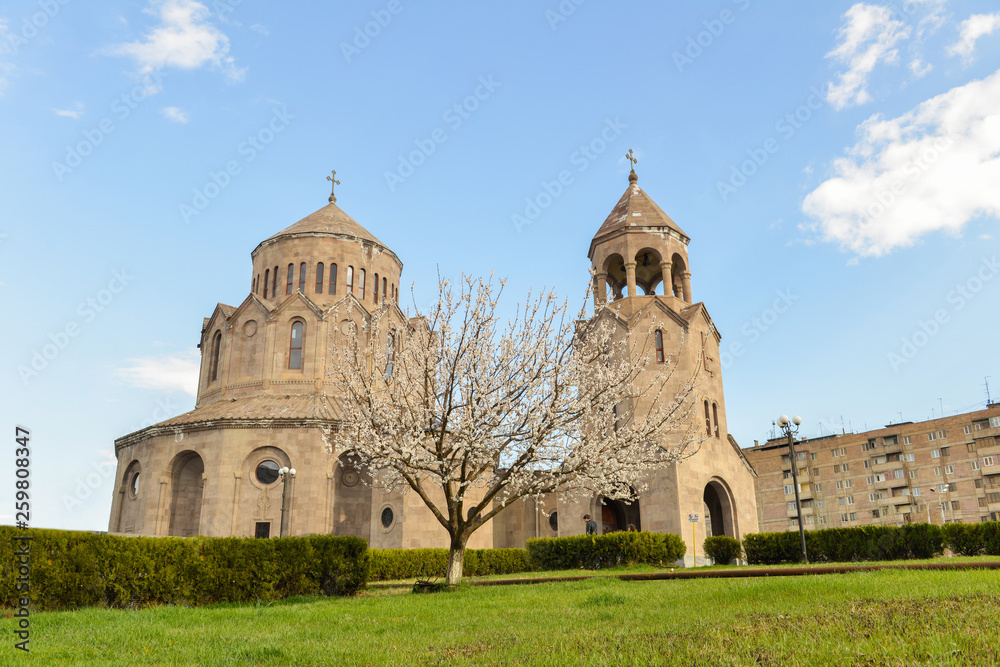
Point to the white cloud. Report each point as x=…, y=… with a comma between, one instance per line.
x=175, y=372
x=971, y=29
x=932, y=169
x=867, y=38
x=919, y=67
x=184, y=39
x=73, y=113
x=256, y=27
x=175, y=114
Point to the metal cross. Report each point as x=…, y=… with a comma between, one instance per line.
x=333, y=184
x=631, y=158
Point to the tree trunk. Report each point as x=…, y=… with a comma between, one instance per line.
x=456, y=561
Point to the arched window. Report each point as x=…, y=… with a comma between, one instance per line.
x=267, y=279
x=361, y=284
x=319, y=278
x=213, y=371
x=375, y=300
x=659, y=346
x=295, y=346
x=350, y=279
x=708, y=420
x=291, y=278
x=302, y=277
x=333, y=278
x=390, y=353
x=384, y=293
x=253, y=285
x=274, y=284
x=715, y=418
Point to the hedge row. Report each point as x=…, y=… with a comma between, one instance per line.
x=973, y=539
x=722, y=549
x=595, y=552
x=71, y=569
x=870, y=543
x=387, y=564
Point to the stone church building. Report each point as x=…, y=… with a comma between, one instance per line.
x=265, y=402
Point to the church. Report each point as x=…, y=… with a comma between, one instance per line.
x=254, y=459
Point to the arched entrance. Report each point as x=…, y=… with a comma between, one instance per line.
x=720, y=511
x=619, y=515
x=185, y=505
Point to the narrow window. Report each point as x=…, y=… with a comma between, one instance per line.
x=291, y=278
x=361, y=284
x=715, y=418
x=319, y=278
x=274, y=284
x=267, y=279
x=213, y=373
x=659, y=346
x=302, y=277
x=295, y=347
x=375, y=299
x=708, y=420
x=350, y=279
x=333, y=278
x=253, y=287
x=390, y=354
x=384, y=293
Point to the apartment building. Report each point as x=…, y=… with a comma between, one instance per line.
x=941, y=470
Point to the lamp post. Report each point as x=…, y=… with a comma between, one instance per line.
x=941, y=494
x=287, y=474
x=790, y=427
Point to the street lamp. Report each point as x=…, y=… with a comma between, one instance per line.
x=790, y=427
x=287, y=474
x=942, y=494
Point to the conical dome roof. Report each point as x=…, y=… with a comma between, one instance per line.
x=636, y=209
x=328, y=221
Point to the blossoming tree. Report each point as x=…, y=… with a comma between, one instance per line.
x=473, y=414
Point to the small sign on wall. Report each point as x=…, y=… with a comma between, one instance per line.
x=692, y=518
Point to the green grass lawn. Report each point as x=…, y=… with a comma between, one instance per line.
x=877, y=618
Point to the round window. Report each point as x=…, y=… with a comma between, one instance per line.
x=554, y=522
x=250, y=328
x=350, y=477
x=387, y=516
x=267, y=472
x=135, y=485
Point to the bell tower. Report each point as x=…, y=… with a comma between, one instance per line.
x=642, y=284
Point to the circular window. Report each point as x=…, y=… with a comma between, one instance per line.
x=387, y=516
x=554, y=522
x=135, y=485
x=350, y=477
x=250, y=328
x=267, y=472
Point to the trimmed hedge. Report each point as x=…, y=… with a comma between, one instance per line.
x=973, y=539
x=72, y=569
x=388, y=564
x=722, y=549
x=844, y=545
x=597, y=551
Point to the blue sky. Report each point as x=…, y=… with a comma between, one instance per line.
x=835, y=165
